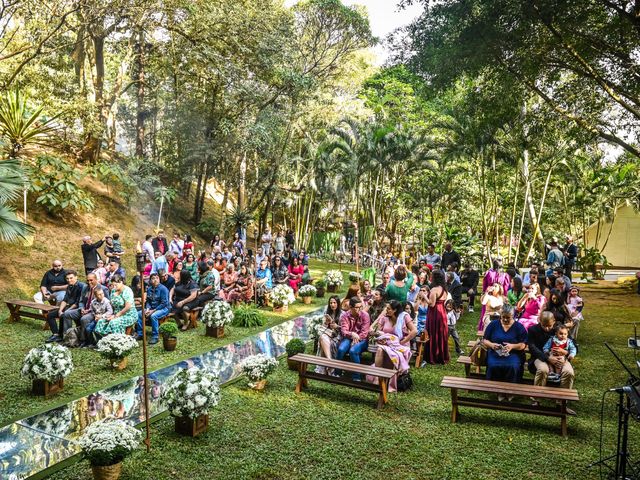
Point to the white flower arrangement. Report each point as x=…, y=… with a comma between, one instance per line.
x=48, y=362
x=108, y=442
x=191, y=393
x=334, y=278
x=217, y=314
x=315, y=324
x=282, y=295
x=307, y=291
x=116, y=346
x=257, y=367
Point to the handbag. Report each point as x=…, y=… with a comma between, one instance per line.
x=404, y=381
x=478, y=354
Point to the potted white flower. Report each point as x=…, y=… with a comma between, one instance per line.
x=257, y=368
x=215, y=315
x=116, y=347
x=47, y=366
x=334, y=280
x=106, y=444
x=307, y=292
x=281, y=296
x=189, y=395
x=354, y=277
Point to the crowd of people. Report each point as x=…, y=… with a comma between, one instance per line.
x=177, y=278
x=540, y=310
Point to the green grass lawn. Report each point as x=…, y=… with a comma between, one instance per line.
x=330, y=432
x=92, y=372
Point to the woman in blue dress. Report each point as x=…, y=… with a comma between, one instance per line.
x=505, y=340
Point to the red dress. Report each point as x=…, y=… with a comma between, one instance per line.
x=299, y=270
x=437, y=351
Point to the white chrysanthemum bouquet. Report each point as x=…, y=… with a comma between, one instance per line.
x=307, y=291
x=48, y=362
x=258, y=367
x=108, y=442
x=334, y=278
x=217, y=314
x=191, y=393
x=116, y=346
x=282, y=295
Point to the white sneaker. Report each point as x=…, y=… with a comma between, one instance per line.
x=470, y=309
x=320, y=370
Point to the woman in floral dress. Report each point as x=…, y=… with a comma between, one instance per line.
x=243, y=289
x=124, y=310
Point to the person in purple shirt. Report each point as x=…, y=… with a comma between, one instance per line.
x=494, y=275
x=354, y=327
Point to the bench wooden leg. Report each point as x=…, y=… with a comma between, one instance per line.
x=302, y=380
x=563, y=419
x=14, y=312
x=383, y=397
x=419, y=354
x=193, y=319
x=467, y=370
x=454, y=405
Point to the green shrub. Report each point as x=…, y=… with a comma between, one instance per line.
x=168, y=329
x=208, y=228
x=321, y=283
x=248, y=316
x=294, y=346
x=56, y=183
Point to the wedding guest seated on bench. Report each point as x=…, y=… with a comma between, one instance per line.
x=124, y=310
x=354, y=327
x=83, y=316
x=53, y=285
x=329, y=334
x=157, y=306
x=70, y=302
x=505, y=340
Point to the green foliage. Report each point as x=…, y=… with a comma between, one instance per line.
x=294, y=346
x=208, y=228
x=12, y=181
x=21, y=127
x=320, y=283
x=248, y=316
x=128, y=177
x=56, y=183
x=168, y=329
x=592, y=261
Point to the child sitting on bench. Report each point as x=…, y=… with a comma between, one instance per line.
x=555, y=347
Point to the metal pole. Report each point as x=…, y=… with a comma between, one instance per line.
x=147, y=439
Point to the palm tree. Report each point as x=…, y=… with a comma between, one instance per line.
x=11, y=182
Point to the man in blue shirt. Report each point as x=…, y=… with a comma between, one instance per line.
x=157, y=306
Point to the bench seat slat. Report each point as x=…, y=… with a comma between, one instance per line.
x=343, y=381
x=342, y=365
x=489, y=386
x=45, y=307
x=511, y=407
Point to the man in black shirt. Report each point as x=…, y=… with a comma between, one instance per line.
x=90, y=253
x=570, y=255
x=538, y=335
x=469, y=279
x=383, y=286
x=53, y=285
x=71, y=301
x=449, y=256
x=454, y=287
x=168, y=281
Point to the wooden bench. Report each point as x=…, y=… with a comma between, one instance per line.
x=383, y=375
x=562, y=395
x=41, y=310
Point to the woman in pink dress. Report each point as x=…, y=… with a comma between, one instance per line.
x=531, y=305
x=437, y=349
x=394, y=334
x=296, y=270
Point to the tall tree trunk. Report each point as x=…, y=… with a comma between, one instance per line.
x=203, y=195
x=513, y=211
x=537, y=231
x=537, y=220
x=225, y=199
x=140, y=113
x=92, y=146
x=196, y=203
x=242, y=198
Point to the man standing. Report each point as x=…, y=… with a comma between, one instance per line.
x=570, y=255
x=157, y=306
x=53, y=286
x=259, y=256
x=432, y=257
x=555, y=258
x=266, y=241
x=469, y=279
x=354, y=327
x=538, y=335
x=449, y=256
x=177, y=245
x=454, y=287
x=147, y=248
x=90, y=253
x=71, y=301
x=159, y=243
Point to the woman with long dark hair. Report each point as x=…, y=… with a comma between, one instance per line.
x=437, y=348
x=329, y=334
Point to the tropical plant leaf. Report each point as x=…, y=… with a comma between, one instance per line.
x=11, y=228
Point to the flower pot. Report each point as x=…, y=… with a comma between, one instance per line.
x=259, y=385
x=107, y=472
x=169, y=343
x=332, y=288
x=293, y=365
x=192, y=427
x=281, y=308
x=320, y=292
x=46, y=388
x=216, y=332
x=120, y=364
x=306, y=300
